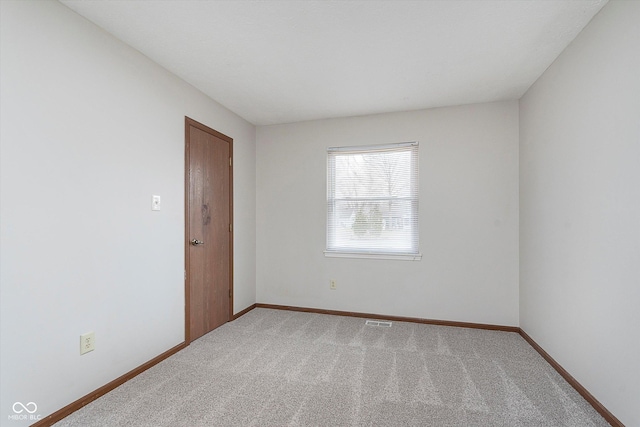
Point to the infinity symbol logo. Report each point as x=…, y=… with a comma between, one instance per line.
x=22, y=407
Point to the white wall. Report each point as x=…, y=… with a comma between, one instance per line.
x=580, y=209
x=468, y=217
x=90, y=129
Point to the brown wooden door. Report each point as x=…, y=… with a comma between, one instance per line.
x=209, y=261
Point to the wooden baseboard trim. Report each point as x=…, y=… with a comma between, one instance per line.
x=608, y=416
x=243, y=312
x=74, y=406
x=393, y=318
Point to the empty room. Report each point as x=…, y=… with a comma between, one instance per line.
x=327, y=213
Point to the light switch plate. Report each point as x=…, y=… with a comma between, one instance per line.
x=155, y=203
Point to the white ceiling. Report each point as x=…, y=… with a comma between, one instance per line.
x=287, y=61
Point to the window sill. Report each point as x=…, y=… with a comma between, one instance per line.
x=402, y=257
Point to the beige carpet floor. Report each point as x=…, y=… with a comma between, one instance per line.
x=282, y=368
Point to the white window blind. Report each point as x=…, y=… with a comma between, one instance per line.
x=372, y=200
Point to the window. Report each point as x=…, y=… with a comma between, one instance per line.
x=372, y=201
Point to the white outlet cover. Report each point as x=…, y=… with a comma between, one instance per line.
x=87, y=342
x=155, y=203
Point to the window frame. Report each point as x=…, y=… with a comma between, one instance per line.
x=332, y=249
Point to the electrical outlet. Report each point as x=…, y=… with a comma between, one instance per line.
x=87, y=342
x=332, y=285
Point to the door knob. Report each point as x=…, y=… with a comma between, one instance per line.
x=196, y=242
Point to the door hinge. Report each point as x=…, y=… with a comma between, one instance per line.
x=229, y=161
x=230, y=228
x=185, y=275
x=229, y=293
